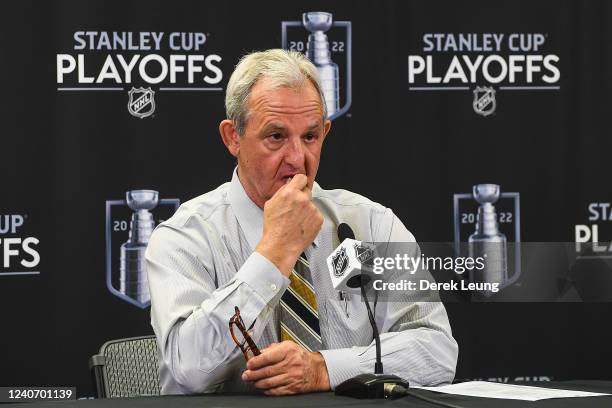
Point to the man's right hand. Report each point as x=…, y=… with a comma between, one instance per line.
x=291, y=223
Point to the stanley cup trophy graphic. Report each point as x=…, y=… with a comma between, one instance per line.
x=317, y=23
x=133, y=277
x=487, y=241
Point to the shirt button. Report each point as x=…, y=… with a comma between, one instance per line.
x=273, y=287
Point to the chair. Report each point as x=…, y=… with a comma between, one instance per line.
x=126, y=368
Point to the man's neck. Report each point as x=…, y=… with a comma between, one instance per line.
x=249, y=191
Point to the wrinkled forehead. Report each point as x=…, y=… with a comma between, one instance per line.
x=267, y=92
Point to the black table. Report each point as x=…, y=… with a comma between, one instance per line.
x=322, y=400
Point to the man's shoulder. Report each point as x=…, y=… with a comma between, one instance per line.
x=202, y=207
x=369, y=220
x=345, y=198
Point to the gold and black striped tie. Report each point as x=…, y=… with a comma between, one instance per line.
x=299, y=319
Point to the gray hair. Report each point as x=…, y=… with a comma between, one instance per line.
x=283, y=68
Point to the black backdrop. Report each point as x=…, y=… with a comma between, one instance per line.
x=64, y=154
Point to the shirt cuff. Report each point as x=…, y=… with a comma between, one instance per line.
x=342, y=364
x=263, y=277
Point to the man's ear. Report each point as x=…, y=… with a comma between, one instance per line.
x=326, y=127
x=230, y=136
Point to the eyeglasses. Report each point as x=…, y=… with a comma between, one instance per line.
x=243, y=337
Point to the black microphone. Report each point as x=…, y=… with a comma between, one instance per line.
x=375, y=385
x=345, y=231
x=358, y=280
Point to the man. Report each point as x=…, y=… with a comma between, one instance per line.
x=239, y=245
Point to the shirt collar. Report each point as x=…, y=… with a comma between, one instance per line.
x=249, y=215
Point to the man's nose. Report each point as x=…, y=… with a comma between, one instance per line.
x=294, y=154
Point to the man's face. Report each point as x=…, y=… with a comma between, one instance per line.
x=283, y=137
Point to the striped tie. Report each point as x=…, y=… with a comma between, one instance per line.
x=299, y=319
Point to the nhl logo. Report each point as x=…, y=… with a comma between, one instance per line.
x=484, y=100
x=364, y=253
x=141, y=102
x=340, y=262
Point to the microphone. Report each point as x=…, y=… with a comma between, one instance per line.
x=349, y=261
x=347, y=264
x=344, y=232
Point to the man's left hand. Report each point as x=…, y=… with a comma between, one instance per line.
x=286, y=368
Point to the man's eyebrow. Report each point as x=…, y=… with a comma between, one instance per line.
x=280, y=126
x=314, y=126
x=274, y=126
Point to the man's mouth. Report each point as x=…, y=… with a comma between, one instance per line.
x=286, y=178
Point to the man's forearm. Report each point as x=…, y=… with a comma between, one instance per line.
x=196, y=345
x=422, y=356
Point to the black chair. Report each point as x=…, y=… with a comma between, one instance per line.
x=126, y=368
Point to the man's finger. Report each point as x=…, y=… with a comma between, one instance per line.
x=283, y=390
x=269, y=347
x=271, y=355
x=272, y=382
x=260, y=374
x=299, y=181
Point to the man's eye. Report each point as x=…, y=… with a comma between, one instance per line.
x=310, y=137
x=276, y=136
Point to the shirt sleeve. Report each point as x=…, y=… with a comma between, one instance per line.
x=190, y=314
x=416, y=338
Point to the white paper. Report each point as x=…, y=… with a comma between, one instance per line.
x=508, y=391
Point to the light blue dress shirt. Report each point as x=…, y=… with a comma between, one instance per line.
x=201, y=263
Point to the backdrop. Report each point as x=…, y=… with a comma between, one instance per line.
x=432, y=98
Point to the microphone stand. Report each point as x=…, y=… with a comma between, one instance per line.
x=378, y=366
x=377, y=385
